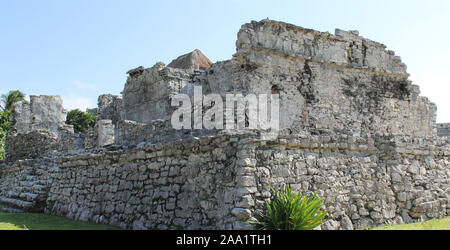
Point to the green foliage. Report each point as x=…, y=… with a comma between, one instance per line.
x=6, y=105
x=80, y=120
x=4, y=128
x=2, y=143
x=11, y=98
x=4, y=120
x=291, y=211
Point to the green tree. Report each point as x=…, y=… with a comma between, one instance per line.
x=8, y=100
x=4, y=120
x=3, y=134
x=6, y=105
x=80, y=120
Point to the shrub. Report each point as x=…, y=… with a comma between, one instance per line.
x=291, y=211
x=80, y=120
x=2, y=144
x=8, y=100
x=4, y=129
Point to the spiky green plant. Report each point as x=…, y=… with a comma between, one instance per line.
x=291, y=211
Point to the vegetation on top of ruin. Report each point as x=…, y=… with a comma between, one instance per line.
x=2, y=142
x=80, y=120
x=6, y=105
x=8, y=100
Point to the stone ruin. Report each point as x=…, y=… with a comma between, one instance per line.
x=352, y=127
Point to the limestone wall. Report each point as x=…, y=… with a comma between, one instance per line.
x=25, y=184
x=134, y=133
x=147, y=92
x=219, y=182
x=38, y=129
x=365, y=182
x=183, y=185
x=344, y=48
x=110, y=108
x=43, y=113
x=326, y=89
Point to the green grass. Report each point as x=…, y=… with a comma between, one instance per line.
x=30, y=221
x=435, y=224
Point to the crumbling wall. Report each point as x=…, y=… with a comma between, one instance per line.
x=330, y=84
x=187, y=184
x=25, y=184
x=110, y=108
x=31, y=145
x=147, y=93
x=39, y=129
x=42, y=113
x=365, y=182
x=134, y=133
x=219, y=182
x=297, y=42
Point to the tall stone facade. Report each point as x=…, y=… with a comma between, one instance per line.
x=352, y=127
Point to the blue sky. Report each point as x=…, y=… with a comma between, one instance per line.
x=79, y=49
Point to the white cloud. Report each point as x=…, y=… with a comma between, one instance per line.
x=74, y=101
x=435, y=86
x=84, y=85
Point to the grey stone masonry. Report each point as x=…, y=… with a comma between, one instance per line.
x=219, y=182
x=39, y=129
x=43, y=113
x=353, y=128
x=326, y=88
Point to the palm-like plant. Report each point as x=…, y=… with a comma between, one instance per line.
x=2, y=144
x=12, y=97
x=291, y=211
x=6, y=106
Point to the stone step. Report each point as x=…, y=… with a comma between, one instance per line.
x=15, y=203
x=24, y=194
x=28, y=196
x=36, y=188
x=7, y=209
x=39, y=187
x=26, y=183
x=13, y=194
x=30, y=178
